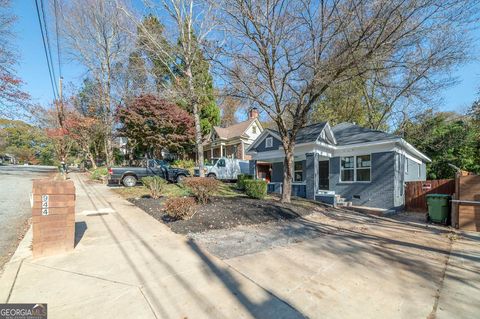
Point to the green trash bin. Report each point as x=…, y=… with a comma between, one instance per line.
x=438, y=208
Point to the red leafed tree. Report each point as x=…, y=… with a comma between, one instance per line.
x=84, y=130
x=12, y=98
x=58, y=129
x=152, y=125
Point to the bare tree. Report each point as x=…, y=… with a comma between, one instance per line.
x=282, y=55
x=229, y=106
x=12, y=98
x=98, y=37
x=183, y=45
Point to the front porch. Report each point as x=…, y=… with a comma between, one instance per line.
x=222, y=149
x=311, y=175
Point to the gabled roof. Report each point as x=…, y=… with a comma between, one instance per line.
x=310, y=133
x=348, y=133
x=307, y=134
x=235, y=130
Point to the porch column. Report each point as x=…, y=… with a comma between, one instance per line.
x=221, y=150
x=211, y=152
x=252, y=168
x=311, y=172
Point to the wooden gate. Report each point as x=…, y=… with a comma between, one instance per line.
x=416, y=192
x=466, y=208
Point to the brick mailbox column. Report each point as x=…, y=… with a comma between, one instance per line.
x=53, y=217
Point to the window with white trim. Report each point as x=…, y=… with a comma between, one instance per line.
x=298, y=171
x=406, y=165
x=269, y=142
x=363, y=168
x=254, y=129
x=419, y=169
x=355, y=168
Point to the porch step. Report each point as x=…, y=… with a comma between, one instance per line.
x=342, y=202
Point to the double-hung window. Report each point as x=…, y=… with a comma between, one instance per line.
x=363, y=168
x=356, y=168
x=298, y=171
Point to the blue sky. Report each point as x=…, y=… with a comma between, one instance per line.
x=33, y=69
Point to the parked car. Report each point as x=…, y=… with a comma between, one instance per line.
x=129, y=176
x=224, y=168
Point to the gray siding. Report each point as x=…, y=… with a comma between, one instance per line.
x=403, y=175
x=277, y=177
x=379, y=192
x=412, y=173
x=277, y=171
x=298, y=190
x=276, y=143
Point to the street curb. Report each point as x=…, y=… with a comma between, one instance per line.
x=12, y=267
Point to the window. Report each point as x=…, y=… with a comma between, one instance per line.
x=221, y=163
x=269, y=142
x=254, y=129
x=363, y=168
x=355, y=168
x=419, y=169
x=347, y=169
x=406, y=165
x=298, y=172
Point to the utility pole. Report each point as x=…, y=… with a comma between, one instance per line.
x=60, y=81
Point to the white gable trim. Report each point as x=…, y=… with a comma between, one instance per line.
x=328, y=131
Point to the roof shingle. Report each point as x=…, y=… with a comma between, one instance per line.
x=233, y=130
x=348, y=133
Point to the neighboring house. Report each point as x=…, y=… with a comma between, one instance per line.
x=359, y=165
x=232, y=141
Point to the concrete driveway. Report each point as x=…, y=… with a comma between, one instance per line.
x=341, y=264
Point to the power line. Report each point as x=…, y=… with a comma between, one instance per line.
x=49, y=48
x=55, y=4
x=46, y=52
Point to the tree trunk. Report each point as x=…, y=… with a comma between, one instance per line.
x=196, y=117
x=91, y=159
x=108, y=149
x=287, y=175
x=198, y=139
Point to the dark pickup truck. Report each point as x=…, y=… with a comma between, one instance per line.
x=129, y=176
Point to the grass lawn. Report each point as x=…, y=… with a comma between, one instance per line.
x=174, y=190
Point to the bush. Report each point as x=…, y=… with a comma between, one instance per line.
x=180, y=207
x=201, y=187
x=185, y=164
x=256, y=189
x=241, y=178
x=155, y=185
x=99, y=173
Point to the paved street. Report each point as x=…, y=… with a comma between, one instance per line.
x=15, y=188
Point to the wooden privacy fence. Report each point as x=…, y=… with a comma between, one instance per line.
x=416, y=192
x=466, y=204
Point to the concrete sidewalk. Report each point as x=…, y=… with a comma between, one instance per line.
x=128, y=265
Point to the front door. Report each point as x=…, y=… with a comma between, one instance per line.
x=323, y=172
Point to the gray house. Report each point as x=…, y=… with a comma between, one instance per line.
x=344, y=163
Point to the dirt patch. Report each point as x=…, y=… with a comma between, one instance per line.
x=13, y=247
x=227, y=212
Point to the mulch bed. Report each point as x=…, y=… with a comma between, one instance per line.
x=224, y=212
